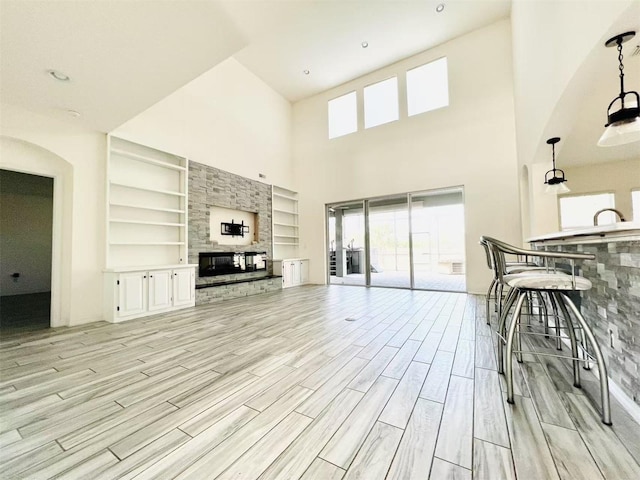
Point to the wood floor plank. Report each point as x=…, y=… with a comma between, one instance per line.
x=144, y=458
x=492, y=461
x=571, y=456
x=321, y=469
x=437, y=382
x=175, y=462
x=429, y=347
x=463, y=364
x=485, y=353
x=330, y=390
x=220, y=458
x=258, y=458
x=545, y=397
x=415, y=453
x=612, y=457
x=302, y=452
x=344, y=445
x=442, y=469
x=400, y=405
x=375, y=455
x=401, y=361
x=369, y=374
x=456, y=429
x=489, y=422
x=531, y=453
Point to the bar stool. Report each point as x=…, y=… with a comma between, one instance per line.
x=555, y=286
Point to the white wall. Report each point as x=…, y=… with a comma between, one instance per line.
x=26, y=221
x=75, y=157
x=227, y=118
x=470, y=143
x=617, y=177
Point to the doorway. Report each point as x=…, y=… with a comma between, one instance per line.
x=26, y=232
x=411, y=240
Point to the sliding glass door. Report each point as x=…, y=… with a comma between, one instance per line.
x=389, y=242
x=413, y=240
x=346, y=253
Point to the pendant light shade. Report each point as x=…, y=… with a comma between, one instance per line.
x=554, y=178
x=623, y=113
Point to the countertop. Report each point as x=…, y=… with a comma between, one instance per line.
x=619, y=231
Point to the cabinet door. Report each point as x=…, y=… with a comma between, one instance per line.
x=159, y=289
x=131, y=293
x=296, y=272
x=287, y=274
x=304, y=272
x=183, y=286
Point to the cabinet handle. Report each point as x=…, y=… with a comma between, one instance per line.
x=150, y=276
x=144, y=276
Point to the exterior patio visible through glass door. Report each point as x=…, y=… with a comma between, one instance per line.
x=411, y=240
x=437, y=229
x=346, y=244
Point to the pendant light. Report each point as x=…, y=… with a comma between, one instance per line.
x=623, y=125
x=555, y=183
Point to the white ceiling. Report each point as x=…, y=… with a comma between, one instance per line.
x=125, y=55
x=325, y=36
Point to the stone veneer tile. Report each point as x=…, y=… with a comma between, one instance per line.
x=209, y=187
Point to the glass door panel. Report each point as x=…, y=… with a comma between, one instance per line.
x=346, y=244
x=437, y=229
x=389, y=242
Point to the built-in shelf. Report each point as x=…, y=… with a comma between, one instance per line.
x=281, y=195
x=278, y=224
x=151, y=161
x=146, y=207
x=288, y=212
x=285, y=222
x=146, y=243
x=147, y=189
x=144, y=222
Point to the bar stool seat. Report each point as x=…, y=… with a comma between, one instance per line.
x=547, y=281
x=552, y=285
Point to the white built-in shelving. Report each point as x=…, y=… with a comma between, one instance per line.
x=286, y=237
x=146, y=206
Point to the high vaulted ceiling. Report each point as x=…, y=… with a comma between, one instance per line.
x=125, y=55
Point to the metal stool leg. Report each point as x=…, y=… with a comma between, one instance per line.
x=510, y=337
x=493, y=283
x=602, y=368
x=511, y=298
x=574, y=343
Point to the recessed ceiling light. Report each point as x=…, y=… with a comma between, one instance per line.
x=306, y=72
x=365, y=44
x=440, y=7
x=59, y=75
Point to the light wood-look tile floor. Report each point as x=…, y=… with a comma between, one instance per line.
x=313, y=383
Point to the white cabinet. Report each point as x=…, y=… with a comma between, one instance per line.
x=183, y=287
x=131, y=294
x=160, y=282
x=294, y=272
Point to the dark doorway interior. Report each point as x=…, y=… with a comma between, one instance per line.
x=26, y=222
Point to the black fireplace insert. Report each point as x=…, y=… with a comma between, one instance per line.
x=225, y=263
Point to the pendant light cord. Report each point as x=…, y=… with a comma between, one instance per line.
x=621, y=68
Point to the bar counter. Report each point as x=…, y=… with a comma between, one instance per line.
x=612, y=306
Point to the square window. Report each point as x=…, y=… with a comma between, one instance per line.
x=381, y=103
x=343, y=115
x=635, y=202
x=578, y=210
x=427, y=87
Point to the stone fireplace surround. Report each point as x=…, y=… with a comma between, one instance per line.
x=209, y=187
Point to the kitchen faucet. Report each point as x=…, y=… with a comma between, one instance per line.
x=617, y=212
